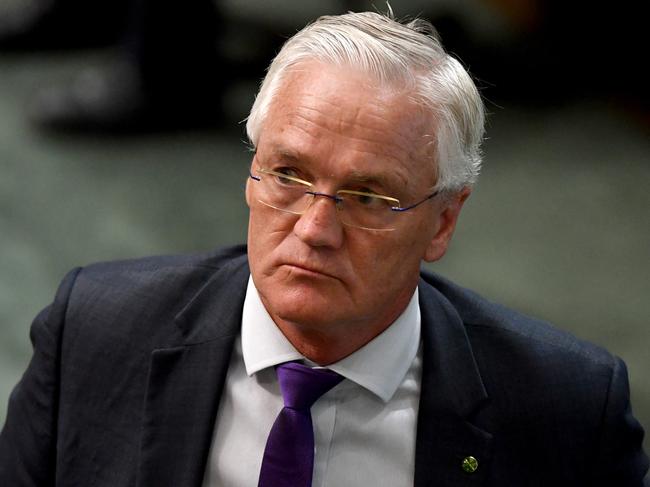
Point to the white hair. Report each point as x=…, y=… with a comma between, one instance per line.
x=405, y=56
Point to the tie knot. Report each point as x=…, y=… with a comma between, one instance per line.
x=301, y=386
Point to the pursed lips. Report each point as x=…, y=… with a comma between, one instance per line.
x=309, y=269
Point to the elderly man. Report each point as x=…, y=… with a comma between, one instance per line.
x=321, y=355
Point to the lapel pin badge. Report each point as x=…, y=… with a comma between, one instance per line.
x=470, y=464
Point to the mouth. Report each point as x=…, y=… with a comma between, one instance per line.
x=300, y=269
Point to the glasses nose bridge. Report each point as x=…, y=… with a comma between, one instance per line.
x=312, y=211
x=333, y=197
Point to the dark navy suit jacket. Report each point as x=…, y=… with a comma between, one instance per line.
x=130, y=360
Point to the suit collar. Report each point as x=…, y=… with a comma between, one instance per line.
x=215, y=310
x=185, y=382
x=449, y=364
x=452, y=392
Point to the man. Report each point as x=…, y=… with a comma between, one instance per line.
x=165, y=371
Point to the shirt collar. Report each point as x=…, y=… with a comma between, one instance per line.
x=379, y=366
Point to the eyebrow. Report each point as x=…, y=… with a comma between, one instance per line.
x=380, y=179
x=288, y=154
x=391, y=181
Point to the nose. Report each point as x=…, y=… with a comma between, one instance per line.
x=319, y=226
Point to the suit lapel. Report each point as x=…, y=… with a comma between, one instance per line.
x=452, y=391
x=185, y=382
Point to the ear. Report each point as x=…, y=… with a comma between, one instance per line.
x=447, y=216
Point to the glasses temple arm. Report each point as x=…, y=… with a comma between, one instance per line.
x=400, y=209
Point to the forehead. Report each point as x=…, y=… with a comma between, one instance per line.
x=342, y=120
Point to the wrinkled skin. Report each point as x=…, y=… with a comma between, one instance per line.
x=331, y=288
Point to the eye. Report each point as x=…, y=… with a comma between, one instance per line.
x=365, y=200
x=287, y=171
x=286, y=176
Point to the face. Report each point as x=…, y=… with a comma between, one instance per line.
x=337, y=285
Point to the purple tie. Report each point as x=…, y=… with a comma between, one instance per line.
x=289, y=453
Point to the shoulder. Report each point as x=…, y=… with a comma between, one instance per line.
x=489, y=323
x=155, y=278
x=551, y=396
x=530, y=368
x=139, y=296
x=148, y=270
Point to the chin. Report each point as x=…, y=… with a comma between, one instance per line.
x=305, y=305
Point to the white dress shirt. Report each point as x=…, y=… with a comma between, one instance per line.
x=364, y=428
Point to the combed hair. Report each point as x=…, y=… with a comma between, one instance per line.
x=404, y=56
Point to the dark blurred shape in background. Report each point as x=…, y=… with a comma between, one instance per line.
x=171, y=66
x=29, y=25
x=552, y=51
x=165, y=73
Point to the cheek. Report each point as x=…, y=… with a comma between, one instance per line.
x=258, y=240
x=398, y=258
x=263, y=225
x=267, y=230
x=378, y=261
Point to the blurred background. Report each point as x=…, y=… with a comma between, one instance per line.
x=121, y=136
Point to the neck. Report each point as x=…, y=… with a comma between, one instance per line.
x=327, y=347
